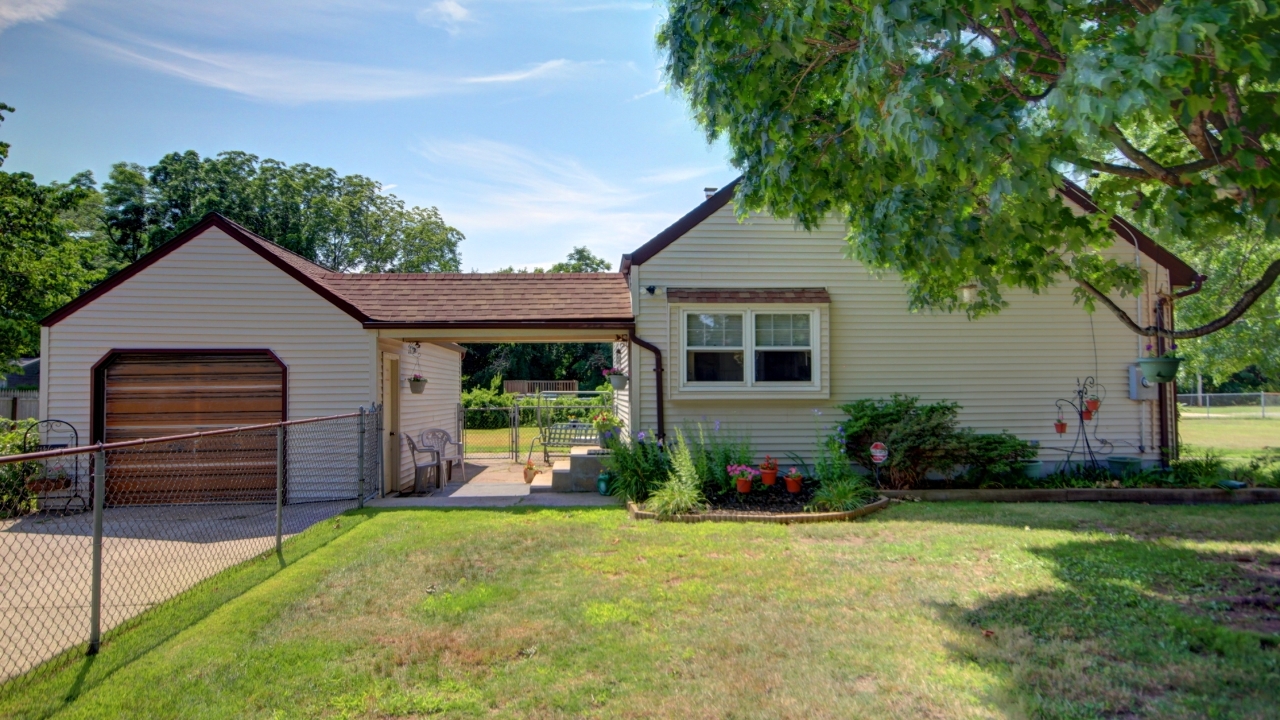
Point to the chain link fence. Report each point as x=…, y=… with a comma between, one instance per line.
x=91, y=537
x=1229, y=405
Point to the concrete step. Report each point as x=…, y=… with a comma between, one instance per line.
x=561, y=477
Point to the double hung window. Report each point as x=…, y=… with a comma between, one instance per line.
x=749, y=348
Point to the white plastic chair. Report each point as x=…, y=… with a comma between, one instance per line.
x=429, y=459
x=447, y=451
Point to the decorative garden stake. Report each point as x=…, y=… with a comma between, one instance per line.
x=1086, y=390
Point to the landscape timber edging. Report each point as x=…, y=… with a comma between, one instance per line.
x=1152, y=496
x=760, y=517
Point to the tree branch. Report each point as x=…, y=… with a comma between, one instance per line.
x=1121, y=170
x=1141, y=159
x=1246, y=301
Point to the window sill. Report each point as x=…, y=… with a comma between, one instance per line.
x=754, y=394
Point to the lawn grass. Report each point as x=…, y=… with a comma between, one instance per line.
x=498, y=441
x=1232, y=436
x=922, y=610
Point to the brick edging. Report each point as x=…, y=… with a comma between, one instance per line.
x=760, y=517
x=1153, y=496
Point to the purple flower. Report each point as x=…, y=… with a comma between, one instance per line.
x=1173, y=346
x=717, y=426
x=1148, y=347
x=640, y=436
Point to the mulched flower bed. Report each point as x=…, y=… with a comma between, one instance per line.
x=766, y=498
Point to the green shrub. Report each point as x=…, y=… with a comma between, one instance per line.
x=843, y=495
x=1205, y=470
x=639, y=466
x=921, y=438
x=563, y=408
x=682, y=490
x=996, y=458
x=15, y=499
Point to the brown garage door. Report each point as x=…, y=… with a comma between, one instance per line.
x=147, y=395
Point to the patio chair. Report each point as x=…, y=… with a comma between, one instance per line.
x=447, y=451
x=423, y=460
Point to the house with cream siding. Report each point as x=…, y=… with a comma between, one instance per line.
x=759, y=325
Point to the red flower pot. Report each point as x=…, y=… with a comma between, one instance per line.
x=1060, y=426
x=1092, y=404
x=768, y=477
x=793, y=485
x=744, y=485
x=1088, y=415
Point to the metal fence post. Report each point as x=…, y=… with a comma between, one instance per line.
x=279, y=489
x=1262, y=396
x=360, y=459
x=95, y=581
x=377, y=421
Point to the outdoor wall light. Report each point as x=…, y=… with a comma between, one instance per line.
x=651, y=289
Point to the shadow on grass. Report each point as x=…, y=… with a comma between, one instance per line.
x=1139, y=629
x=51, y=686
x=1227, y=523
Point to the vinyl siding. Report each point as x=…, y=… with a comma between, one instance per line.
x=437, y=406
x=214, y=293
x=622, y=400
x=1006, y=371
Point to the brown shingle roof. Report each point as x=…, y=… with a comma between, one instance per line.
x=748, y=295
x=486, y=298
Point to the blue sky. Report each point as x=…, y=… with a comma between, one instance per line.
x=534, y=125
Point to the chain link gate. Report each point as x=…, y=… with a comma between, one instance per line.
x=491, y=433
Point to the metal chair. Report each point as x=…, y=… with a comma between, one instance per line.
x=441, y=441
x=430, y=459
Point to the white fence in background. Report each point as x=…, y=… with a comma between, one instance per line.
x=19, y=404
x=1230, y=405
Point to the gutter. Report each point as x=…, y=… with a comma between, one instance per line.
x=657, y=370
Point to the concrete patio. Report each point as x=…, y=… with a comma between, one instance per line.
x=497, y=483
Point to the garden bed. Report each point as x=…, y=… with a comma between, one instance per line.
x=717, y=514
x=1153, y=496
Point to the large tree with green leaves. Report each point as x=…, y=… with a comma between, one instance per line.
x=43, y=262
x=941, y=130
x=345, y=223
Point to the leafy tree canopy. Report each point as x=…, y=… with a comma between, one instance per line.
x=43, y=264
x=582, y=260
x=940, y=130
x=345, y=223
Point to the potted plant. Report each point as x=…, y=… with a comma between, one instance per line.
x=1060, y=425
x=743, y=475
x=1086, y=414
x=617, y=378
x=1160, y=368
x=1092, y=403
x=606, y=425
x=530, y=472
x=417, y=383
x=794, y=479
x=769, y=471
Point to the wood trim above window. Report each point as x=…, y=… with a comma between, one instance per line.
x=808, y=296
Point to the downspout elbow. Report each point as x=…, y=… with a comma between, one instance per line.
x=657, y=371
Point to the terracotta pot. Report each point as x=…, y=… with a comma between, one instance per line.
x=529, y=475
x=768, y=477
x=793, y=484
x=1092, y=404
x=1060, y=427
x=744, y=485
x=1087, y=415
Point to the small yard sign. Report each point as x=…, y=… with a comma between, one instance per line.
x=879, y=452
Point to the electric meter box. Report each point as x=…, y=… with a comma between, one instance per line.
x=1141, y=388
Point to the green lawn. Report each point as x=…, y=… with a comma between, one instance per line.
x=1232, y=436
x=922, y=610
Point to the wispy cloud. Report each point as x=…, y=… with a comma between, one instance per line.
x=647, y=93
x=13, y=12
x=501, y=190
x=293, y=80
x=448, y=14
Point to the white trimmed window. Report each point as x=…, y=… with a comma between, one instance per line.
x=762, y=348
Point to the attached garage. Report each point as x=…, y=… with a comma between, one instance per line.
x=151, y=394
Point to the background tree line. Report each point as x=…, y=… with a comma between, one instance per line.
x=58, y=240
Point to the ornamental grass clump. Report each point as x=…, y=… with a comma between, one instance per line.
x=840, y=487
x=713, y=451
x=682, y=491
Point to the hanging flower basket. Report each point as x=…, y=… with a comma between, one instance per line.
x=417, y=384
x=1060, y=427
x=619, y=382
x=1087, y=415
x=1159, y=369
x=1092, y=404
